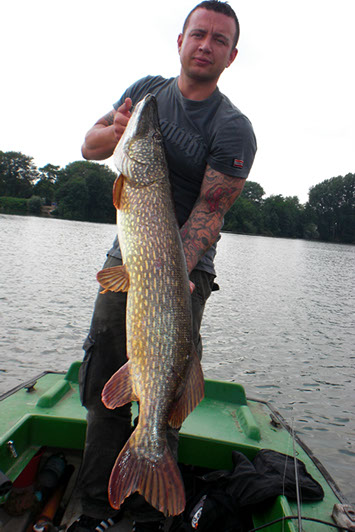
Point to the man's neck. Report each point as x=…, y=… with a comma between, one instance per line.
x=195, y=89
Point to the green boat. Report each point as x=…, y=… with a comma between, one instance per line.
x=44, y=417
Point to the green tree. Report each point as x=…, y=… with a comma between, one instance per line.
x=245, y=214
x=73, y=198
x=50, y=172
x=310, y=230
x=253, y=192
x=271, y=218
x=97, y=182
x=333, y=204
x=294, y=217
x=283, y=216
x=35, y=205
x=46, y=185
x=243, y=217
x=18, y=174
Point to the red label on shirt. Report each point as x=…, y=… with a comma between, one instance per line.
x=238, y=163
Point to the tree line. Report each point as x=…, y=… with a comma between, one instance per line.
x=83, y=191
x=80, y=191
x=328, y=215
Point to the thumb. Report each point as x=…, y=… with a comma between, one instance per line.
x=126, y=107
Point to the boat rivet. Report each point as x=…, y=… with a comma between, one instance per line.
x=274, y=421
x=30, y=387
x=11, y=446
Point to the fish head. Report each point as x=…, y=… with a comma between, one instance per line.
x=140, y=154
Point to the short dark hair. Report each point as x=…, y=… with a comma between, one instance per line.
x=218, y=7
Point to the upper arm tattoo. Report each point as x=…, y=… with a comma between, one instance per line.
x=219, y=191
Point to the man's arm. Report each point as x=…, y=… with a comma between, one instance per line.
x=217, y=195
x=100, y=141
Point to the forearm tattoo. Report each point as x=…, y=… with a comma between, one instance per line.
x=109, y=118
x=217, y=195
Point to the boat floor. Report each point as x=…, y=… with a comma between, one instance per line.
x=71, y=503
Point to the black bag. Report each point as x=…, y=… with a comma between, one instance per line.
x=223, y=501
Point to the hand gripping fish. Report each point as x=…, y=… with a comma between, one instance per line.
x=163, y=371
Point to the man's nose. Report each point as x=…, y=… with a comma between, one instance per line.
x=205, y=45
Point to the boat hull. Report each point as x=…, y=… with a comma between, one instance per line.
x=46, y=412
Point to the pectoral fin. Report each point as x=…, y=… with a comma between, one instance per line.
x=191, y=395
x=117, y=190
x=115, y=279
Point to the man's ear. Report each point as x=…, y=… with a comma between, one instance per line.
x=179, y=40
x=232, y=56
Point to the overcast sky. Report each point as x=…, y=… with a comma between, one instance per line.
x=64, y=63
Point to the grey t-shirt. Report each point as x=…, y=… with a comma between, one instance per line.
x=196, y=133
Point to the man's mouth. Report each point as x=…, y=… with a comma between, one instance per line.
x=202, y=61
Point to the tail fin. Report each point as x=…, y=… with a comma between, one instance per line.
x=159, y=482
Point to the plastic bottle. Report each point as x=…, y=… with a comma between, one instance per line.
x=52, y=471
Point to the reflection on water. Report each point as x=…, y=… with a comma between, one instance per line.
x=282, y=323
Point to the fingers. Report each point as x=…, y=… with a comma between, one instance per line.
x=192, y=286
x=122, y=116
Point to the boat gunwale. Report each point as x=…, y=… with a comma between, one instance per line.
x=27, y=384
x=319, y=465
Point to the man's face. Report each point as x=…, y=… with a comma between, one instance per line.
x=206, y=47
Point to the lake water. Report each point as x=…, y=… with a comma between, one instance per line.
x=282, y=323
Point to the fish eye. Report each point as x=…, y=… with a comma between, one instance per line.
x=157, y=136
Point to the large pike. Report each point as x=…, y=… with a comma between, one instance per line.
x=163, y=371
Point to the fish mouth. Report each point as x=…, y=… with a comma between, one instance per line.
x=144, y=124
x=141, y=142
x=147, y=116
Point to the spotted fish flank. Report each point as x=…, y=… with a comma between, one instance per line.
x=163, y=371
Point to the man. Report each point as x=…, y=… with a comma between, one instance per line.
x=210, y=148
